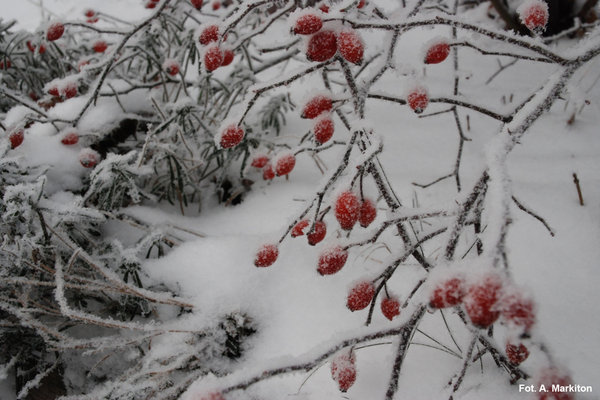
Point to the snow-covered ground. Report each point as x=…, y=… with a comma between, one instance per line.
x=298, y=310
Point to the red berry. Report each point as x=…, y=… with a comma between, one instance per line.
x=92, y=20
x=100, y=46
x=308, y=24
x=8, y=64
x=552, y=378
x=534, y=15
x=268, y=172
x=437, y=53
x=16, y=137
x=284, y=164
x=360, y=296
x=213, y=58
x=390, y=307
x=30, y=46
x=42, y=49
x=150, y=4
x=367, y=213
x=480, y=301
x=321, y=46
x=171, y=67
x=323, y=129
x=324, y=8
x=53, y=91
x=343, y=370
x=332, y=260
x=228, y=56
x=351, y=46
x=209, y=34
x=90, y=13
x=417, y=99
x=231, y=136
x=197, y=4
x=347, y=208
x=259, y=161
x=69, y=90
x=33, y=96
x=266, y=255
x=298, y=229
x=89, y=158
x=316, y=106
x=70, y=139
x=318, y=234
x=211, y=396
x=216, y=5
x=516, y=354
x=361, y=4
x=55, y=31
x=448, y=293
x=518, y=310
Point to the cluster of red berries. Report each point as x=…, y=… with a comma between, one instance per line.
x=314, y=235
x=323, y=44
x=214, y=56
x=67, y=90
x=361, y=295
x=32, y=47
x=349, y=210
x=318, y=108
x=282, y=164
x=91, y=15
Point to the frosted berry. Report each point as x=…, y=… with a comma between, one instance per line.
x=69, y=90
x=55, y=31
x=212, y=396
x=197, y=4
x=213, y=58
x=332, y=260
x=518, y=310
x=480, y=301
x=284, y=164
x=534, y=15
x=351, y=46
x=323, y=129
x=361, y=4
x=318, y=233
x=390, y=307
x=209, y=34
x=228, y=56
x=316, y=106
x=437, y=53
x=417, y=99
x=324, y=8
x=216, y=5
x=88, y=158
x=308, y=24
x=259, y=161
x=100, y=46
x=171, y=67
x=343, y=370
x=150, y=5
x=321, y=46
x=552, y=378
x=266, y=255
x=231, y=136
x=16, y=137
x=516, y=354
x=360, y=296
x=53, y=91
x=89, y=13
x=448, y=293
x=268, y=172
x=367, y=213
x=298, y=229
x=347, y=208
x=70, y=138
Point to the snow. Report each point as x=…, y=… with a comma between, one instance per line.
x=301, y=314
